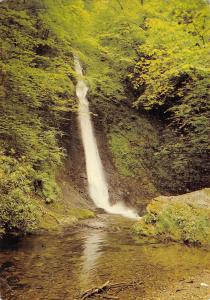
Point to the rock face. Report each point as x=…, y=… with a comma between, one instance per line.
x=184, y=218
x=119, y=163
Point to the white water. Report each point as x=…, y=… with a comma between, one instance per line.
x=97, y=184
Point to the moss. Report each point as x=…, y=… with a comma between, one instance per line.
x=131, y=140
x=125, y=157
x=82, y=213
x=177, y=221
x=2, y=231
x=55, y=216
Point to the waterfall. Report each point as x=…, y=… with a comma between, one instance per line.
x=97, y=184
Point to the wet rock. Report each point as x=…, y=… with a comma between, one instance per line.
x=99, y=210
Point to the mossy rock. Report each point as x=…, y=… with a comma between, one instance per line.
x=184, y=218
x=57, y=215
x=82, y=213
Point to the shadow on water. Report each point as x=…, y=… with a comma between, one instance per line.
x=60, y=266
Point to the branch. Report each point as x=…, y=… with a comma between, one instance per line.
x=105, y=288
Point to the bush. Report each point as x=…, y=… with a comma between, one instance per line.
x=17, y=209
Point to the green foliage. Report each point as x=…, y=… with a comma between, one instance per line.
x=115, y=34
x=36, y=94
x=17, y=211
x=103, y=34
x=170, y=79
x=126, y=157
x=132, y=141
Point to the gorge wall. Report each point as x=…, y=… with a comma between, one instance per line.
x=149, y=94
x=122, y=141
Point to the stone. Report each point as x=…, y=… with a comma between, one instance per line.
x=184, y=218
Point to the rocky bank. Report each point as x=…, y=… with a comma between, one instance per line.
x=184, y=218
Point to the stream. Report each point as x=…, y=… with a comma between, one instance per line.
x=62, y=265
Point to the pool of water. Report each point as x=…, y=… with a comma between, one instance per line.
x=62, y=265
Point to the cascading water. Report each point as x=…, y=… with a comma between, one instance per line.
x=98, y=189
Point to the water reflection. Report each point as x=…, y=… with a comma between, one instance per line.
x=93, y=244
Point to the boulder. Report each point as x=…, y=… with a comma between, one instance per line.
x=184, y=218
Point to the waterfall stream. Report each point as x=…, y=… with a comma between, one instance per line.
x=97, y=184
